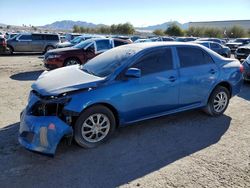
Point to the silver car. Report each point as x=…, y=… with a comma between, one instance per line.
x=35, y=42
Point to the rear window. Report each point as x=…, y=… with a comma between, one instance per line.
x=37, y=37
x=193, y=57
x=52, y=37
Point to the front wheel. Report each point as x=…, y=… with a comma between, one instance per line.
x=218, y=101
x=71, y=61
x=94, y=126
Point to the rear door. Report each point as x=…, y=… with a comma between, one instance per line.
x=23, y=43
x=37, y=42
x=198, y=73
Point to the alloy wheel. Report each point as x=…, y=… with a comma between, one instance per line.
x=220, y=101
x=95, y=128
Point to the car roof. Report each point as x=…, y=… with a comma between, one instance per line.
x=148, y=45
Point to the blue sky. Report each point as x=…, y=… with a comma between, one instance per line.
x=138, y=12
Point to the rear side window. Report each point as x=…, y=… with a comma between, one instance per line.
x=25, y=37
x=52, y=37
x=189, y=57
x=215, y=46
x=119, y=43
x=158, y=61
x=37, y=37
x=103, y=45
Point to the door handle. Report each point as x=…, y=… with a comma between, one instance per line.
x=212, y=71
x=172, y=79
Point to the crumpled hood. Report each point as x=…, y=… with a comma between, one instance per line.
x=63, y=80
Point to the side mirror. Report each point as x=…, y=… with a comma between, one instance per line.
x=133, y=72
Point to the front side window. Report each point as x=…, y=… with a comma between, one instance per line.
x=158, y=61
x=25, y=37
x=102, y=45
x=189, y=57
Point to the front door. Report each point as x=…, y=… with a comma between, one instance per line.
x=24, y=44
x=155, y=92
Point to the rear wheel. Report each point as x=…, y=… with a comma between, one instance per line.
x=94, y=126
x=218, y=101
x=48, y=48
x=11, y=50
x=71, y=61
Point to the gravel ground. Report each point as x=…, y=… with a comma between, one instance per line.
x=188, y=149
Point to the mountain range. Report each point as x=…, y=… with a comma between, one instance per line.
x=68, y=25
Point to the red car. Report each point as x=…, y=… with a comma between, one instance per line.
x=80, y=53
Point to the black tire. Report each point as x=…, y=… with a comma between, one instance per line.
x=49, y=48
x=210, y=109
x=11, y=50
x=71, y=61
x=83, y=118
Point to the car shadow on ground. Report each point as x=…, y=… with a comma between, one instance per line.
x=133, y=152
x=245, y=91
x=27, y=76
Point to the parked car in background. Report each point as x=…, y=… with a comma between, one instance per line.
x=3, y=45
x=62, y=38
x=220, y=49
x=234, y=44
x=122, y=86
x=35, y=42
x=77, y=40
x=242, y=52
x=1, y=35
x=71, y=36
x=10, y=35
x=246, y=65
x=167, y=39
x=80, y=53
x=142, y=40
x=123, y=38
x=185, y=39
x=158, y=39
x=213, y=40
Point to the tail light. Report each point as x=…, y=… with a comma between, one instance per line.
x=3, y=43
x=241, y=68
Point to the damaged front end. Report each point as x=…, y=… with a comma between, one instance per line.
x=44, y=123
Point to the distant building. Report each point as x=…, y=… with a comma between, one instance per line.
x=222, y=24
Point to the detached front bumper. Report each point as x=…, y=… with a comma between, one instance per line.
x=42, y=133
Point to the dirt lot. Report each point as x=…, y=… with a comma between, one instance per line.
x=184, y=150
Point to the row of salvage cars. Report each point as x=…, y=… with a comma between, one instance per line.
x=111, y=86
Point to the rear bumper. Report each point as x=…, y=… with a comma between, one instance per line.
x=42, y=133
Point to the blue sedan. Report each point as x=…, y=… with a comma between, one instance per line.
x=124, y=85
